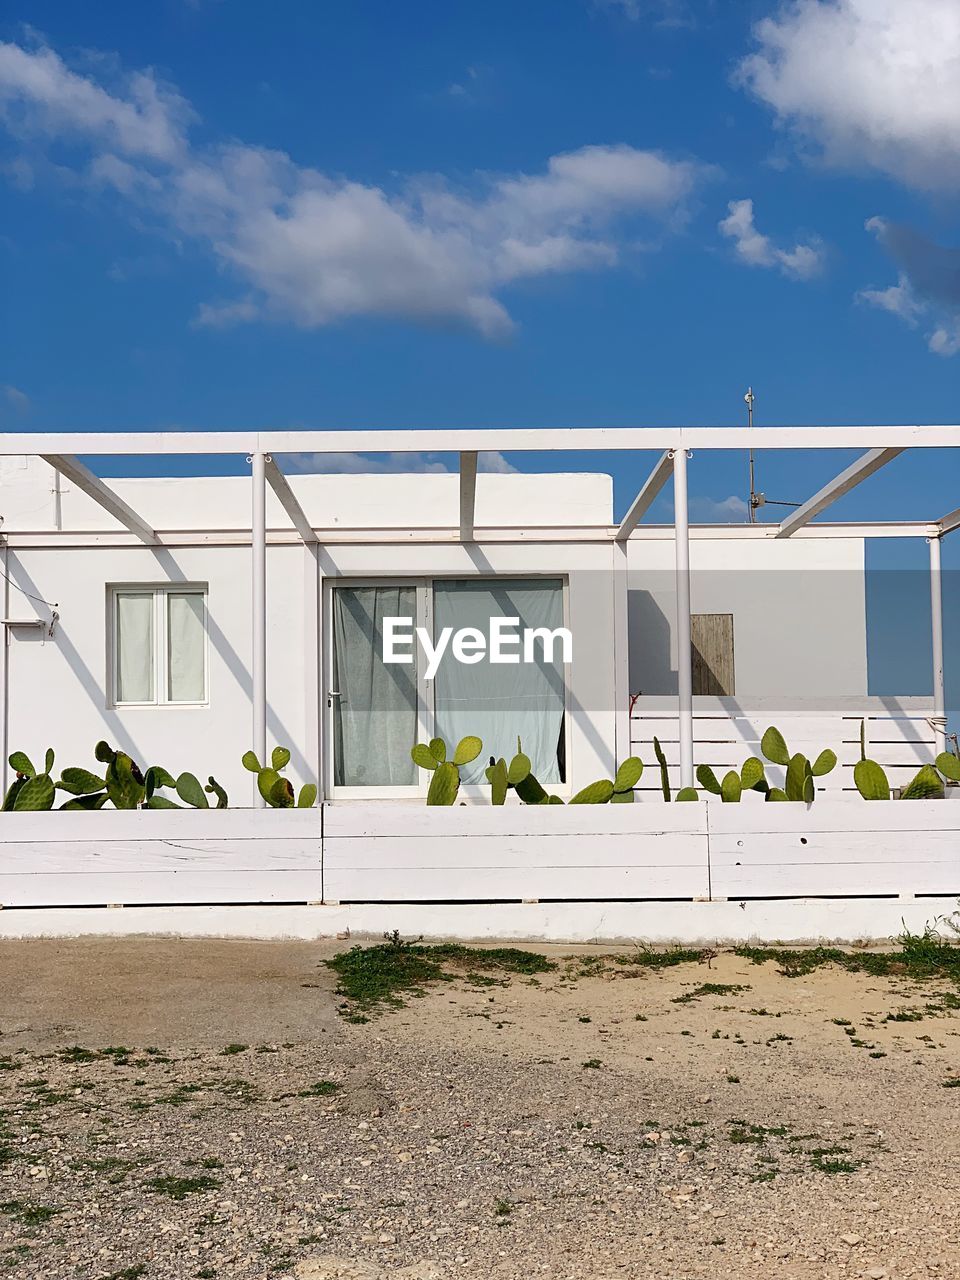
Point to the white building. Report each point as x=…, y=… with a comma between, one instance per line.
x=129, y=609
x=188, y=620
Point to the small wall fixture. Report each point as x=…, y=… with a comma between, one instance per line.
x=46, y=626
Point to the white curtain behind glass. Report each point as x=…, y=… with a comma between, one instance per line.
x=498, y=702
x=135, y=647
x=185, y=645
x=375, y=716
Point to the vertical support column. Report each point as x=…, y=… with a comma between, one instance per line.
x=684, y=658
x=621, y=654
x=936, y=626
x=258, y=546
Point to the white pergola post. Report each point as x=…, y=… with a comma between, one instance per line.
x=259, y=611
x=936, y=626
x=684, y=656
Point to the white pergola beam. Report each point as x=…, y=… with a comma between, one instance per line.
x=949, y=522
x=468, y=495
x=864, y=466
x=288, y=500
x=642, y=503
x=82, y=478
x=460, y=440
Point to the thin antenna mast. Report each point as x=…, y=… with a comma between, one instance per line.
x=754, y=500
x=758, y=499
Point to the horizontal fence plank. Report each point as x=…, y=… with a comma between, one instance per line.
x=132, y=888
x=115, y=856
x=162, y=824
x=392, y=820
x=840, y=879
x=538, y=853
x=451, y=884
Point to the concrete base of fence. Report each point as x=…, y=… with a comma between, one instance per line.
x=790, y=920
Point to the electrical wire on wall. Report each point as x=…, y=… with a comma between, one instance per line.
x=52, y=605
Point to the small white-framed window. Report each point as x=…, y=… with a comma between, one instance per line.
x=158, y=645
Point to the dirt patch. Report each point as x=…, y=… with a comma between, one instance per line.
x=180, y=1110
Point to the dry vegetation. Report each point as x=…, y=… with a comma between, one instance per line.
x=191, y=1111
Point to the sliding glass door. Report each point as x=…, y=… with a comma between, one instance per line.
x=502, y=701
x=375, y=716
x=377, y=709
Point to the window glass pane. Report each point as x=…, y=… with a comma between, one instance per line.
x=185, y=647
x=499, y=701
x=375, y=714
x=135, y=675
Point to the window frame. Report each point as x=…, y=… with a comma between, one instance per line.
x=160, y=593
x=426, y=714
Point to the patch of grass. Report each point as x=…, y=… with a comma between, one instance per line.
x=77, y=1053
x=923, y=955
x=373, y=977
x=733, y=1079
x=952, y=1083
x=835, y=1164
x=592, y=1064
x=229, y=1050
x=129, y=1273
x=322, y=1089
x=502, y=1208
x=27, y=1213
x=710, y=989
x=179, y=1188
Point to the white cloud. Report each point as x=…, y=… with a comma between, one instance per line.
x=18, y=399
x=389, y=463
x=732, y=510
x=927, y=292
x=312, y=248
x=802, y=262
x=869, y=82
x=899, y=299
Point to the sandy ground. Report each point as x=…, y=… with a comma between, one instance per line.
x=598, y=1121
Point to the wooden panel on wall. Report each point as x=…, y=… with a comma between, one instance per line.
x=711, y=642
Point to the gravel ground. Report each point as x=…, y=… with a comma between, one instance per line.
x=175, y=1110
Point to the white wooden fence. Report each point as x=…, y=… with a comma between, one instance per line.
x=840, y=846
x=899, y=735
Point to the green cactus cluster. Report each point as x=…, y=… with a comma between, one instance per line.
x=123, y=785
x=928, y=783
x=275, y=789
x=685, y=793
x=518, y=776
x=799, y=785
x=432, y=756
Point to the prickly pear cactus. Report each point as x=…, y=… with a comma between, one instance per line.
x=731, y=788
x=628, y=775
x=596, y=793
x=444, y=785
x=664, y=771
x=496, y=775
x=870, y=780
x=927, y=785
x=191, y=792
x=799, y=784
x=949, y=765
x=708, y=779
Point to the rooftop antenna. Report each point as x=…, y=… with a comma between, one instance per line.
x=755, y=498
x=758, y=499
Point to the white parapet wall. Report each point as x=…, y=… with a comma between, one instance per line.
x=841, y=869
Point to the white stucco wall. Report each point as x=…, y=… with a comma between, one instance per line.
x=57, y=689
x=798, y=605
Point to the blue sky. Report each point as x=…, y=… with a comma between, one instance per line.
x=560, y=212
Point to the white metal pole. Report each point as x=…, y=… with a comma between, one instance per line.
x=684, y=656
x=259, y=611
x=936, y=626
